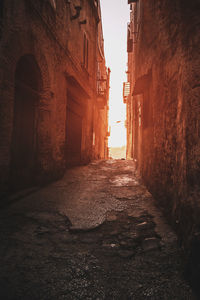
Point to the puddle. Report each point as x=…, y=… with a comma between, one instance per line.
x=112, y=161
x=124, y=180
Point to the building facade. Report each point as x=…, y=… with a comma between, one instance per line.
x=100, y=134
x=163, y=105
x=49, y=89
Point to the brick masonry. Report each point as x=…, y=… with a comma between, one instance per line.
x=51, y=33
x=163, y=108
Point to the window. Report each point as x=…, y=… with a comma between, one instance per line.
x=85, y=51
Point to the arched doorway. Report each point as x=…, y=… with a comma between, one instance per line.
x=28, y=85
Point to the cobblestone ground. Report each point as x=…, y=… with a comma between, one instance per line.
x=95, y=234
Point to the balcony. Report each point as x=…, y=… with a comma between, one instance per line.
x=126, y=91
x=103, y=82
x=102, y=99
x=129, y=38
x=102, y=92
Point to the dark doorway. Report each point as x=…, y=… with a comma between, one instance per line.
x=73, y=131
x=28, y=84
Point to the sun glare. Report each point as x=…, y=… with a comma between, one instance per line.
x=115, y=31
x=117, y=134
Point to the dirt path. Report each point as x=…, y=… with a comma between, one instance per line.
x=95, y=234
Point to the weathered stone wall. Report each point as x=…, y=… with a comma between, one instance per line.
x=100, y=119
x=47, y=31
x=167, y=77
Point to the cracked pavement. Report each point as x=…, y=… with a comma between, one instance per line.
x=94, y=234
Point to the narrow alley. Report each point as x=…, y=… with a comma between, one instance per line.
x=94, y=234
x=99, y=150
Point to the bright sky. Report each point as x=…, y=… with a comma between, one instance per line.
x=115, y=15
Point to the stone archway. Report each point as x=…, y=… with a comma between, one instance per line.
x=28, y=86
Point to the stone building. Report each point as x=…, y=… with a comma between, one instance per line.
x=100, y=133
x=50, y=55
x=163, y=104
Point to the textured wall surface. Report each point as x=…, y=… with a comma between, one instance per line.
x=165, y=83
x=53, y=34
